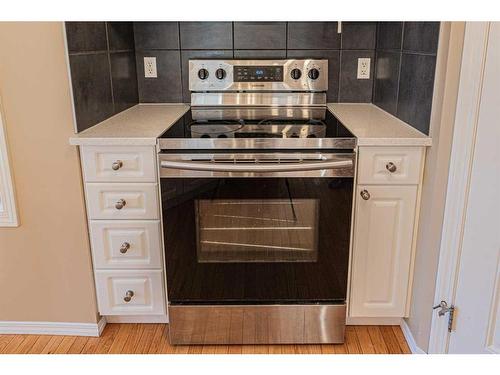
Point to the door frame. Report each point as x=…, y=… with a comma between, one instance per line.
x=461, y=158
x=8, y=213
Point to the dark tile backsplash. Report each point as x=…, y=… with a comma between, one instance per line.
x=353, y=89
x=206, y=35
x=405, y=66
x=156, y=35
x=166, y=88
x=103, y=70
x=107, y=69
x=313, y=35
x=91, y=81
x=260, y=35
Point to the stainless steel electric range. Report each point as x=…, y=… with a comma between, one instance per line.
x=257, y=187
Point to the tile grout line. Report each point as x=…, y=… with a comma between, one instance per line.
x=109, y=68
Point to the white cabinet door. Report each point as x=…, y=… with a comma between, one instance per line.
x=382, y=247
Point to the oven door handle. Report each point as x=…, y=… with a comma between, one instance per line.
x=257, y=167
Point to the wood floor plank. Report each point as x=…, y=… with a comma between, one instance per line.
x=403, y=345
x=40, y=343
x=120, y=338
x=52, y=345
x=4, y=341
x=234, y=349
x=146, y=339
x=153, y=338
x=78, y=345
x=351, y=340
x=107, y=338
x=390, y=340
x=12, y=346
x=91, y=345
x=166, y=348
x=65, y=344
x=364, y=340
x=157, y=339
x=377, y=340
x=133, y=339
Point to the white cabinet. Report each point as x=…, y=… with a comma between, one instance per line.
x=385, y=216
x=122, y=197
x=382, y=250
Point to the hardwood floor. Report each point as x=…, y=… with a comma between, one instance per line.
x=153, y=339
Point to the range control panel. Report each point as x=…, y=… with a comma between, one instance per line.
x=307, y=75
x=250, y=73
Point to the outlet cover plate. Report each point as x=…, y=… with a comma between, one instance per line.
x=364, y=68
x=150, y=67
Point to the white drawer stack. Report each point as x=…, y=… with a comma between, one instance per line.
x=121, y=186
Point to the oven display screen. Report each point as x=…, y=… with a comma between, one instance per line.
x=258, y=73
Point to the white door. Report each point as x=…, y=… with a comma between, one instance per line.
x=477, y=293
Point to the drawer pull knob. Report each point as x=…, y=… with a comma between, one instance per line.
x=117, y=165
x=124, y=247
x=391, y=167
x=128, y=296
x=365, y=194
x=120, y=204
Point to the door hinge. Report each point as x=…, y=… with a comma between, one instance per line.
x=444, y=308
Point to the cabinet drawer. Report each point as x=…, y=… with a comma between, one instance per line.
x=126, y=244
x=389, y=165
x=142, y=289
x=119, y=163
x=122, y=201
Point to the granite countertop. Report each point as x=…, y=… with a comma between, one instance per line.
x=142, y=124
x=373, y=126
x=139, y=125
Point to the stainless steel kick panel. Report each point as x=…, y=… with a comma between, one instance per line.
x=258, y=99
x=304, y=83
x=257, y=324
x=255, y=143
x=256, y=165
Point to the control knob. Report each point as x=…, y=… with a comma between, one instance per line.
x=220, y=73
x=295, y=73
x=313, y=73
x=203, y=73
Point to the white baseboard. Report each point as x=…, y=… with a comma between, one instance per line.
x=410, y=339
x=356, y=321
x=52, y=328
x=136, y=318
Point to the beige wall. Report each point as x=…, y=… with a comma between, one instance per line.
x=435, y=180
x=45, y=265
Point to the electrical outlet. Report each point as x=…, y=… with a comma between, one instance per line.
x=364, y=68
x=150, y=67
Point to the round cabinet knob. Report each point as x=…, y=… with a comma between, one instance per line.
x=391, y=167
x=313, y=73
x=120, y=204
x=365, y=194
x=124, y=247
x=117, y=165
x=203, y=74
x=220, y=73
x=128, y=296
x=295, y=73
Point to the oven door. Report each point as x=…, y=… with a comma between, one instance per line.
x=257, y=228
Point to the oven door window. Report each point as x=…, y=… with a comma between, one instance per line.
x=256, y=240
x=257, y=230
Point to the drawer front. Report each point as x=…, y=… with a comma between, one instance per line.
x=122, y=201
x=119, y=164
x=130, y=292
x=390, y=165
x=126, y=244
